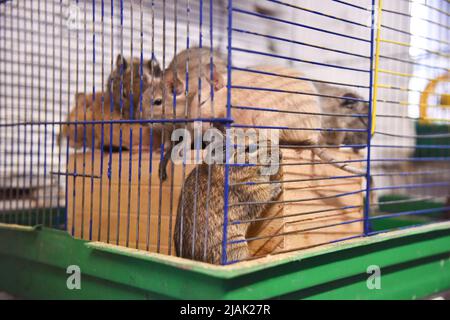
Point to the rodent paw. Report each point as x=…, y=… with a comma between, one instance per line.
x=163, y=175
x=277, y=189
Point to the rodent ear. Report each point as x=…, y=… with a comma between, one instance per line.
x=79, y=97
x=174, y=84
x=120, y=60
x=217, y=79
x=155, y=68
x=350, y=100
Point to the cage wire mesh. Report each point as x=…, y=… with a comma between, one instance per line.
x=355, y=92
x=410, y=166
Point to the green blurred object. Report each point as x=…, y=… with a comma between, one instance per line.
x=387, y=206
x=429, y=129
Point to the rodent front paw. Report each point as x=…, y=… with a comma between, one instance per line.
x=277, y=189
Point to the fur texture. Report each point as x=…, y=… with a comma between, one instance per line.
x=198, y=231
x=79, y=138
x=124, y=83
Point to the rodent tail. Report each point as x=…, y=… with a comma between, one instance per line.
x=325, y=155
x=62, y=133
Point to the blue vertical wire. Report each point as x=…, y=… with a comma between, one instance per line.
x=174, y=104
x=196, y=146
x=120, y=125
x=53, y=119
x=369, y=127
x=141, y=72
x=228, y=126
x=102, y=140
x=163, y=133
x=182, y=197
x=18, y=216
x=11, y=155
x=25, y=142
x=13, y=133
x=83, y=178
x=111, y=109
x=3, y=99
x=150, y=161
x=211, y=61
x=46, y=101
x=130, y=144
x=67, y=136
x=39, y=104
x=31, y=120
x=60, y=212
x=91, y=209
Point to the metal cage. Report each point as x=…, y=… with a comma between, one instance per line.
x=94, y=94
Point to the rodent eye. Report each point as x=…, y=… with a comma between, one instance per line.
x=157, y=102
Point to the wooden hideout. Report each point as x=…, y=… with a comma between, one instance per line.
x=313, y=212
x=284, y=227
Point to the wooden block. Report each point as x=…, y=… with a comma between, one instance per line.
x=123, y=219
x=315, y=211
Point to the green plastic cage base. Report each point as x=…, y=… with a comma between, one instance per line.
x=414, y=263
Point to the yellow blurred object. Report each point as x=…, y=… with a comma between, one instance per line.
x=445, y=100
x=430, y=89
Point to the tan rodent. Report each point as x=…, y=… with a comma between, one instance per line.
x=298, y=118
x=199, y=223
x=131, y=82
x=173, y=82
x=94, y=113
x=158, y=100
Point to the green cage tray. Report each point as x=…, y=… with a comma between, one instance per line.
x=414, y=263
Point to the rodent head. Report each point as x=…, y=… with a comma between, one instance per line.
x=169, y=91
x=158, y=98
x=352, y=113
x=254, y=161
x=353, y=105
x=127, y=74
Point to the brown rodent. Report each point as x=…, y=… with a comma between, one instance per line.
x=94, y=113
x=130, y=81
x=158, y=99
x=199, y=223
x=201, y=63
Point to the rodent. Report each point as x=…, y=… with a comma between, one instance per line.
x=298, y=107
x=94, y=113
x=158, y=99
x=199, y=222
x=130, y=80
